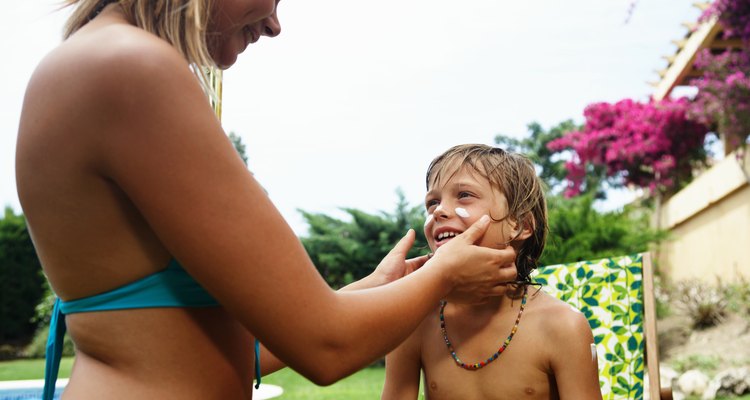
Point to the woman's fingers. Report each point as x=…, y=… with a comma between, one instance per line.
x=394, y=265
x=476, y=230
x=402, y=247
x=415, y=263
x=508, y=272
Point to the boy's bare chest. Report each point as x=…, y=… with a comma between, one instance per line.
x=446, y=381
x=519, y=372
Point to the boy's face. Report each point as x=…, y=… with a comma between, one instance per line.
x=455, y=205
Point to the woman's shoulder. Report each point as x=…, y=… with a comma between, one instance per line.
x=114, y=56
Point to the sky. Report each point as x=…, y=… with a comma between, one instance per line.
x=354, y=99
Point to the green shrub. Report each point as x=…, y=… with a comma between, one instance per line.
x=737, y=295
x=705, y=363
x=663, y=298
x=705, y=304
x=21, y=280
x=8, y=352
x=38, y=346
x=345, y=251
x=577, y=231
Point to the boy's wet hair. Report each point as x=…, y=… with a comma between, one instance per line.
x=513, y=175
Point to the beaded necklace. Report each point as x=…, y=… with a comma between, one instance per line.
x=474, y=367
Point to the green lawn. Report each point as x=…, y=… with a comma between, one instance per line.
x=30, y=369
x=364, y=385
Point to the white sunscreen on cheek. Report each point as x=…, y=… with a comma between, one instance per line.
x=593, y=352
x=461, y=212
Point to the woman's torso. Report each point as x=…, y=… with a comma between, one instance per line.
x=90, y=239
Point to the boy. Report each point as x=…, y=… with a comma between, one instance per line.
x=522, y=344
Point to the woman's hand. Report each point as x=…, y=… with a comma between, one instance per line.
x=394, y=266
x=475, y=272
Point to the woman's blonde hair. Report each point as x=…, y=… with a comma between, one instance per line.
x=182, y=23
x=515, y=176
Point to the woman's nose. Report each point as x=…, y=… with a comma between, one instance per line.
x=273, y=27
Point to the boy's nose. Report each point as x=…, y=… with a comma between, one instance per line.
x=441, y=211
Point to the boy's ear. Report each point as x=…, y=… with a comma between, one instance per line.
x=527, y=228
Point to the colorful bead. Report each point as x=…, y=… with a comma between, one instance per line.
x=474, y=367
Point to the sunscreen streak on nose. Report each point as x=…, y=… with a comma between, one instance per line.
x=438, y=208
x=461, y=212
x=593, y=352
x=428, y=220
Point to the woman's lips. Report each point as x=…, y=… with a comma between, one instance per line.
x=249, y=35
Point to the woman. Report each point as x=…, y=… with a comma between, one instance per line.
x=169, y=258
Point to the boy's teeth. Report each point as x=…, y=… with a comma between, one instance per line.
x=444, y=235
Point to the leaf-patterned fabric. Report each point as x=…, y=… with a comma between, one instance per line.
x=610, y=293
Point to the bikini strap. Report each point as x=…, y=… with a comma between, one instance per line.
x=53, y=353
x=257, y=363
x=54, y=350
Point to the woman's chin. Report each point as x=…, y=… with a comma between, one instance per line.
x=226, y=58
x=226, y=62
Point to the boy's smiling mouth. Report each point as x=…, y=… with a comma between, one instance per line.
x=443, y=235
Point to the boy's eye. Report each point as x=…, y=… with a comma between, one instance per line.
x=429, y=204
x=462, y=195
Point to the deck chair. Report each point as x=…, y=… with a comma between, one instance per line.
x=617, y=297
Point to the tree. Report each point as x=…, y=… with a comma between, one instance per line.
x=650, y=145
x=345, y=251
x=733, y=15
x=723, y=98
x=21, y=279
x=577, y=231
x=239, y=146
x=551, y=164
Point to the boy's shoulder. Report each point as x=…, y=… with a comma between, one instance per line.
x=554, y=316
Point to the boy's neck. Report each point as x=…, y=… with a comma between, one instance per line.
x=492, y=303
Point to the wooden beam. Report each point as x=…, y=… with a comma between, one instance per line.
x=683, y=61
x=680, y=43
x=669, y=59
x=693, y=74
x=702, y=5
x=691, y=26
x=735, y=43
x=649, y=327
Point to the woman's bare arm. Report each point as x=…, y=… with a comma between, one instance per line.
x=394, y=266
x=152, y=134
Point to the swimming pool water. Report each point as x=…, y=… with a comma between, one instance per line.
x=32, y=390
x=28, y=390
x=26, y=394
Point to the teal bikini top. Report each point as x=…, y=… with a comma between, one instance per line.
x=171, y=287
